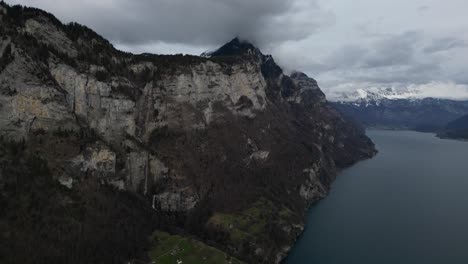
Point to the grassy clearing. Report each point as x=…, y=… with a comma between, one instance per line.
x=174, y=249
x=252, y=224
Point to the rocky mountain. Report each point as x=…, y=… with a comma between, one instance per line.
x=375, y=94
x=99, y=148
x=428, y=114
x=411, y=92
x=457, y=129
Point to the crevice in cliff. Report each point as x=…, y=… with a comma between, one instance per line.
x=74, y=99
x=31, y=124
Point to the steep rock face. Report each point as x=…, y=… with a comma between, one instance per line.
x=29, y=102
x=197, y=138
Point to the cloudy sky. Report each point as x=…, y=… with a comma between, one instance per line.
x=346, y=45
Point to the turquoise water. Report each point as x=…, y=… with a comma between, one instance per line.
x=408, y=205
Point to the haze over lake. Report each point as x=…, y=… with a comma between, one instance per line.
x=408, y=205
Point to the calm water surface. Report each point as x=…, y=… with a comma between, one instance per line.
x=408, y=205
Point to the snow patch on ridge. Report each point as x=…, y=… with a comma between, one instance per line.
x=439, y=90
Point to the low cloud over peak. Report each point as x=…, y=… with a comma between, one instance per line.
x=340, y=43
x=198, y=23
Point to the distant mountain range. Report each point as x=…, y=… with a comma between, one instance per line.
x=412, y=92
x=399, y=109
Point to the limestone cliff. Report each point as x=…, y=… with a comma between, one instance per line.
x=212, y=145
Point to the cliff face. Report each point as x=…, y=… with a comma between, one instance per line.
x=227, y=148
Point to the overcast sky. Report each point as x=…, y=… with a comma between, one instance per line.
x=345, y=45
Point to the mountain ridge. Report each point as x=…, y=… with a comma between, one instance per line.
x=227, y=149
x=393, y=93
x=456, y=129
x=427, y=114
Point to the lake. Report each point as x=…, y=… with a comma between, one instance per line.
x=408, y=205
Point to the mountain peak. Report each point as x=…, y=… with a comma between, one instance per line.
x=299, y=75
x=236, y=47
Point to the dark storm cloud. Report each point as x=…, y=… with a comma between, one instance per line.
x=193, y=22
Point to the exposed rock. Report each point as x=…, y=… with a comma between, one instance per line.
x=188, y=136
x=92, y=102
x=313, y=189
x=27, y=103
x=179, y=201
x=46, y=32
x=309, y=89
x=260, y=155
x=97, y=160
x=66, y=181
x=207, y=82
x=4, y=43
x=143, y=170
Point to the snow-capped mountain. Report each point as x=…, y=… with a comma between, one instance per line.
x=405, y=108
x=375, y=94
x=440, y=90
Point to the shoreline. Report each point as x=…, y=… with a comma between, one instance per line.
x=304, y=226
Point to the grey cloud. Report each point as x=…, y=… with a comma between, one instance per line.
x=388, y=51
x=460, y=77
x=423, y=8
x=444, y=44
x=392, y=51
x=200, y=22
x=386, y=60
x=347, y=56
x=417, y=73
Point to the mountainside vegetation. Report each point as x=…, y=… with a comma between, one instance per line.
x=106, y=154
x=457, y=129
